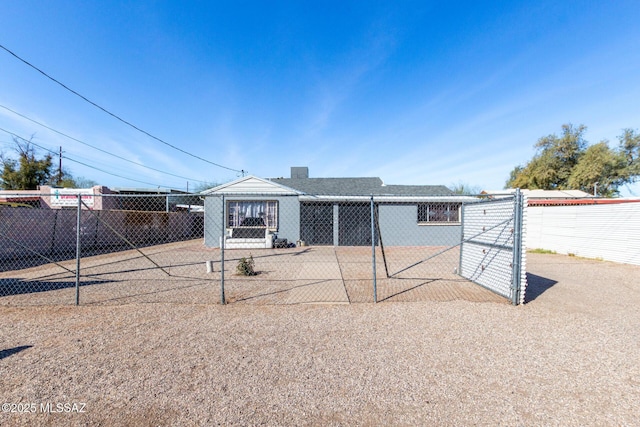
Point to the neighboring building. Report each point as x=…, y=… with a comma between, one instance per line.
x=335, y=211
x=153, y=199
x=67, y=198
x=15, y=198
x=104, y=198
x=541, y=194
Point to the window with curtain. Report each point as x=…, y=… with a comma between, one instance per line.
x=238, y=211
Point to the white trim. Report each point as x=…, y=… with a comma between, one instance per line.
x=251, y=185
x=391, y=199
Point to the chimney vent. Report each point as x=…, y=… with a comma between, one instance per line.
x=299, y=172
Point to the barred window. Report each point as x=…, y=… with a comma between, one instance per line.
x=238, y=211
x=438, y=212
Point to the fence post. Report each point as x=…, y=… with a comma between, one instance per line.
x=517, y=248
x=223, y=231
x=78, y=250
x=373, y=251
x=461, y=213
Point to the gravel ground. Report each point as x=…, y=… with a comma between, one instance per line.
x=567, y=357
x=318, y=274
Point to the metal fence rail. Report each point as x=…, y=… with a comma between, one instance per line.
x=261, y=249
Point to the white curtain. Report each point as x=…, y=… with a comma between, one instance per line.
x=267, y=210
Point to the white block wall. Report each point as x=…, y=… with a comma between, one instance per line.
x=610, y=232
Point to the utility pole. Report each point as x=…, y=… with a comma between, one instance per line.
x=60, y=167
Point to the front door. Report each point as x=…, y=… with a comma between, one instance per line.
x=316, y=223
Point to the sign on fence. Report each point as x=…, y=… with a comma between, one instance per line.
x=69, y=196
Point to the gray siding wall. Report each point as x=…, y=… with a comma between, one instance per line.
x=398, y=223
x=399, y=227
x=288, y=217
x=212, y=221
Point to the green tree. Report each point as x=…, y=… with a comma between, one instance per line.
x=82, y=182
x=601, y=166
x=556, y=157
x=202, y=186
x=28, y=172
x=464, y=188
x=64, y=179
x=567, y=162
x=629, y=147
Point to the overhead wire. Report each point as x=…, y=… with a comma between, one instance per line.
x=79, y=162
x=113, y=174
x=242, y=171
x=97, y=148
x=95, y=163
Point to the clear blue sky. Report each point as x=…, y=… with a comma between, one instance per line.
x=418, y=92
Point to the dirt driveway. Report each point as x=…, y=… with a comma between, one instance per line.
x=567, y=357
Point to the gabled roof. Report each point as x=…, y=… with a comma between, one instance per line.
x=358, y=187
x=332, y=186
x=326, y=187
x=251, y=185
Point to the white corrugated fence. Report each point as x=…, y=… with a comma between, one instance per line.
x=604, y=231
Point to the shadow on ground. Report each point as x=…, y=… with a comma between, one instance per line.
x=11, y=351
x=18, y=287
x=536, y=286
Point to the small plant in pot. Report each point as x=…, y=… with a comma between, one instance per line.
x=246, y=266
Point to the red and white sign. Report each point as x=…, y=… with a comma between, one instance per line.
x=69, y=196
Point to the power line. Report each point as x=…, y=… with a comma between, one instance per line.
x=116, y=116
x=96, y=148
x=116, y=175
x=82, y=163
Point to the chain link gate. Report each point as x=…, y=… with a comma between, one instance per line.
x=456, y=241
x=493, y=252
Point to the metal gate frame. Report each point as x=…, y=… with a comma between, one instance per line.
x=492, y=250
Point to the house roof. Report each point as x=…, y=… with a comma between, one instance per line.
x=327, y=187
x=358, y=187
x=251, y=185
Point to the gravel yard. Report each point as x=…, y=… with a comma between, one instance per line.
x=568, y=357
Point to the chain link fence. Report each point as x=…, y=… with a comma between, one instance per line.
x=259, y=249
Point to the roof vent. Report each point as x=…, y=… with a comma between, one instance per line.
x=299, y=172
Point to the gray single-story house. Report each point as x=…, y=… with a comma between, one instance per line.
x=330, y=211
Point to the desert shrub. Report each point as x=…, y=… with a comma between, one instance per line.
x=246, y=266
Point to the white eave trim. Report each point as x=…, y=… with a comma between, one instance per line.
x=390, y=199
x=268, y=187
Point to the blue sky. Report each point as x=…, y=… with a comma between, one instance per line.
x=413, y=92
